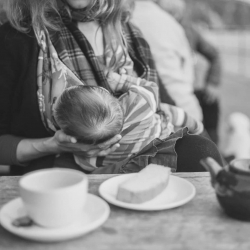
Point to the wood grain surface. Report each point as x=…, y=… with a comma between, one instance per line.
x=200, y=224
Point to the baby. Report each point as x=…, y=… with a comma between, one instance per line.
x=92, y=115
x=89, y=113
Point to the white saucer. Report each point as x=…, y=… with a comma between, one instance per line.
x=95, y=213
x=178, y=192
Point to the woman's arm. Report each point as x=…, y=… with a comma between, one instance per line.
x=30, y=149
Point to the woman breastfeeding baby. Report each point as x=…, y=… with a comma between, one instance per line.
x=97, y=99
x=92, y=115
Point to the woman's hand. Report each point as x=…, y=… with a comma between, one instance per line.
x=30, y=149
x=65, y=143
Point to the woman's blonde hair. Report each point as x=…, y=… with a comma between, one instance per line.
x=26, y=14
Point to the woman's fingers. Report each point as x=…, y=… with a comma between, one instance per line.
x=73, y=140
x=110, y=142
x=109, y=150
x=69, y=144
x=63, y=138
x=97, y=152
x=114, y=147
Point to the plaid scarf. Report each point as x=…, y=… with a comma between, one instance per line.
x=52, y=78
x=140, y=53
x=76, y=52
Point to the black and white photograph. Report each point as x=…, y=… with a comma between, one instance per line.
x=124, y=124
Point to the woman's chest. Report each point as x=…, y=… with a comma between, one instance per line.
x=94, y=34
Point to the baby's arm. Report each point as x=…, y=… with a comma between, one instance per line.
x=179, y=118
x=120, y=83
x=126, y=83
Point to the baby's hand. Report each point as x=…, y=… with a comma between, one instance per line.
x=114, y=81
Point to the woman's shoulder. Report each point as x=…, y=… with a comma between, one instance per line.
x=7, y=29
x=17, y=48
x=9, y=36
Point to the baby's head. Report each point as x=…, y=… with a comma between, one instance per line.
x=89, y=113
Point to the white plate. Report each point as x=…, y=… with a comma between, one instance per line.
x=95, y=213
x=178, y=192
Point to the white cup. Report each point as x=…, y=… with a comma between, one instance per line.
x=54, y=197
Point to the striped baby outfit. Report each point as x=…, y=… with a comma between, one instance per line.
x=142, y=123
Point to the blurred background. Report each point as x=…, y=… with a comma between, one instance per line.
x=226, y=24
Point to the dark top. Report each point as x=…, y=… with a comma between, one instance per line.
x=19, y=111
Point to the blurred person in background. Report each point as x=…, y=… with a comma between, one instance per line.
x=171, y=52
x=208, y=93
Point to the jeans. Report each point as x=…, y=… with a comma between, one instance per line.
x=161, y=152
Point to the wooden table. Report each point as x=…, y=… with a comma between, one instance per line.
x=199, y=224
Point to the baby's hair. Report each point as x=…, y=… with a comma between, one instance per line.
x=89, y=113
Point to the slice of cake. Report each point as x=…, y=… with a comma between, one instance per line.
x=145, y=185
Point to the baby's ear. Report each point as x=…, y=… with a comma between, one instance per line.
x=54, y=103
x=54, y=100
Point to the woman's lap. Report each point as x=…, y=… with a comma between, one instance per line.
x=190, y=149
x=181, y=152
